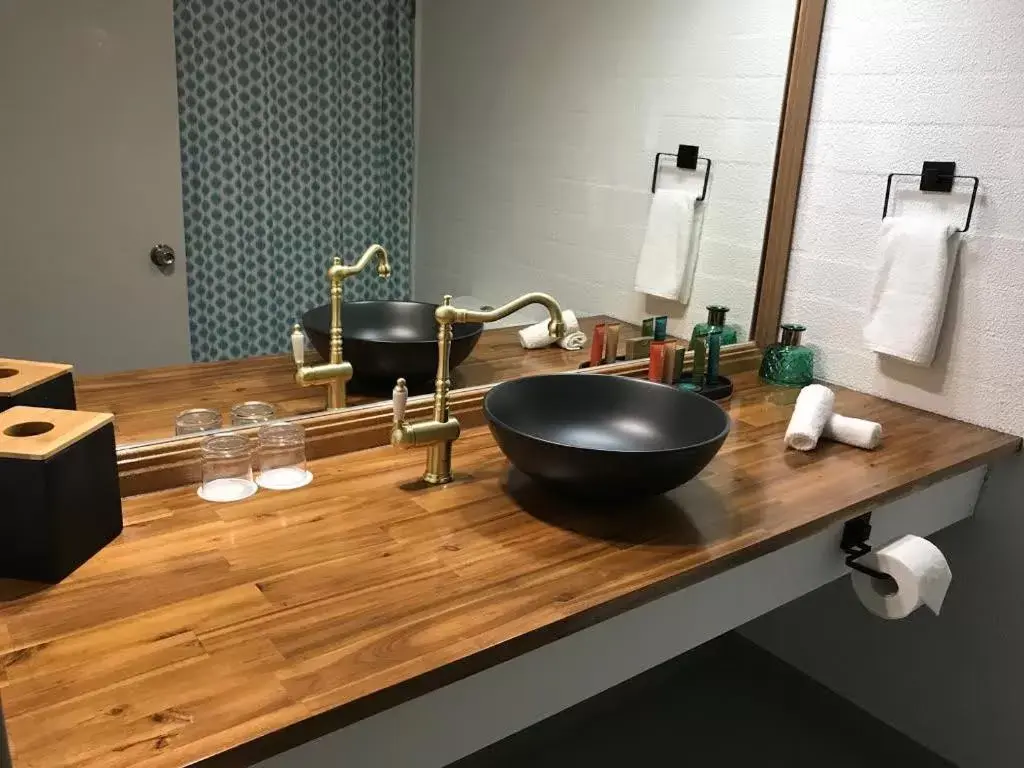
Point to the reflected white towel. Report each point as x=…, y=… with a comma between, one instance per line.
x=812, y=412
x=668, y=258
x=536, y=336
x=860, y=433
x=915, y=264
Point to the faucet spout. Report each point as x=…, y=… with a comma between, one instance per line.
x=556, y=325
x=339, y=271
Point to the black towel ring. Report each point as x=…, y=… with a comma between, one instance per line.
x=935, y=177
x=686, y=158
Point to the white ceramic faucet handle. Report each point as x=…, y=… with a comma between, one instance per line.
x=298, y=345
x=399, y=397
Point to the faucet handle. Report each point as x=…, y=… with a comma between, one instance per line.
x=298, y=345
x=399, y=397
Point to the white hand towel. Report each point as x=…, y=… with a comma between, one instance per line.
x=536, y=336
x=915, y=264
x=668, y=258
x=812, y=411
x=860, y=433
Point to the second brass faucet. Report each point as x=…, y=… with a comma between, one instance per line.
x=335, y=373
x=438, y=433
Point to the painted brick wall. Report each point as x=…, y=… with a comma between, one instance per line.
x=538, y=126
x=901, y=82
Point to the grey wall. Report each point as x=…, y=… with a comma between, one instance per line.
x=955, y=682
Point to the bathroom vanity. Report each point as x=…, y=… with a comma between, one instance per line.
x=454, y=615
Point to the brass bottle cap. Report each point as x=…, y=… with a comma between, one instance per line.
x=792, y=333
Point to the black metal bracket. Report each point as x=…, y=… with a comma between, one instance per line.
x=854, y=543
x=686, y=159
x=935, y=177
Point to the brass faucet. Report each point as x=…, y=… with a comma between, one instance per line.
x=438, y=434
x=335, y=372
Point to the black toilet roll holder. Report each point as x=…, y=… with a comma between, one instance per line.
x=855, y=545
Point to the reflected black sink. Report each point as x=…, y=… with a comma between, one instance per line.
x=604, y=436
x=387, y=339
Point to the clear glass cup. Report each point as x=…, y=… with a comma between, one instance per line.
x=227, y=468
x=251, y=413
x=197, y=420
x=282, y=456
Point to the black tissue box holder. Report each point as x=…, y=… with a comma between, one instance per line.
x=59, y=491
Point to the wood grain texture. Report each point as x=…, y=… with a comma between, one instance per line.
x=171, y=463
x=21, y=436
x=18, y=375
x=145, y=402
x=240, y=630
x=789, y=165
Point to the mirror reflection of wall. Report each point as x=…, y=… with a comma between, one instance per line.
x=492, y=147
x=539, y=122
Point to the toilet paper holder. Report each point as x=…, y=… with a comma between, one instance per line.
x=854, y=544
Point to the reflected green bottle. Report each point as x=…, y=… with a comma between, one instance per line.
x=787, y=362
x=716, y=319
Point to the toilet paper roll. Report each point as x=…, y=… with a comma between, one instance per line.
x=921, y=574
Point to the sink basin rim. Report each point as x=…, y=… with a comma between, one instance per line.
x=720, y=436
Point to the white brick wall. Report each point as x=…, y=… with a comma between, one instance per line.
x=899, y=83
x=539, y=122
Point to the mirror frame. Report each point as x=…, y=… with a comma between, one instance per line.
x=157, y=465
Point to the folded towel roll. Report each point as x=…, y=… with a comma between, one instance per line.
x=912, y=277
x=536, y=336
x=813, y=409
x=668, y=258
x=860, y=433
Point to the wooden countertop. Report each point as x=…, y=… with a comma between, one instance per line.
x=144, y=402
x=251, y=627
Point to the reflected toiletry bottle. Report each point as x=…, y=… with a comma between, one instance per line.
x=787, y=362
x=714, y=352
x=716, y=319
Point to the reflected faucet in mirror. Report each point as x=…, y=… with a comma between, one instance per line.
x=438, y=433
x=335, y=373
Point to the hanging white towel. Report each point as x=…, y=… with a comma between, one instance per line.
x=536, y=336
x=668, y=258
x=915, y=264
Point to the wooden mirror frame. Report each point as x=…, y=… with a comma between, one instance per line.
x=164, y=464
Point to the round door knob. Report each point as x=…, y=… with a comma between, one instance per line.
x=162, y=255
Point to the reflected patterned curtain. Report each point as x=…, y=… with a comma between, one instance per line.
x=296, y=120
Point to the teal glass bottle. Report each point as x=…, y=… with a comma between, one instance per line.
x=788, y=363
x=716, y=319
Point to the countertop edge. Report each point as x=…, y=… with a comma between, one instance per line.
x=323, y=723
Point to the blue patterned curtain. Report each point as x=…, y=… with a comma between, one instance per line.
x=296, y=121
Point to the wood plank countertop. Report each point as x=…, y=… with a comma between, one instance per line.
x=223, y=633
x=145, y=401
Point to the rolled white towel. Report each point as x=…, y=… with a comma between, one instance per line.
x=812, y=412
x=859, y=433
x=536, y=336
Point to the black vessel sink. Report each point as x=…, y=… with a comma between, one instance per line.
x=385, y=340
x=604, y=436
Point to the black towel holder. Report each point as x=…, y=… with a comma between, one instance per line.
x=935, y=177
x=686, y=158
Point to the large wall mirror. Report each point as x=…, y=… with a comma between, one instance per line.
x=176, y=176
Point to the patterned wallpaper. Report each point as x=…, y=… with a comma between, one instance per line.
x=296, y=121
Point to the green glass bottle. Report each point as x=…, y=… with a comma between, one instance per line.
x=716, y=319
x=787, y=362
